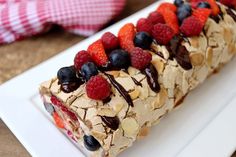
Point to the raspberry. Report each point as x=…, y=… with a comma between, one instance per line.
x=202, y=14
x=81, y=58
x=144, y=25
x=162, y=33
x=167, y=6
x=97, y=52
x=214, y=7
x=171, y=19
x=110, y=41
x=60, y=105
x=58, y=121
x=126, y=37
x=194, y=3
x=98, y=88
x=140, y=58
x=229, y=3
x=191, y=26
x=156, y=18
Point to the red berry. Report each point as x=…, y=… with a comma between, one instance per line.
x=215, y=10
x=194, y=3
x=140, y=58
x=58, y=121
x=81, y=58
x=144, y=25
x=110, y=41
x=229, y=3
x=156, y=18
x=171, y=19
x=202, y=14
x=60, y=105
x=98, y=88
x=191, y=26
x=55, y=101
x=167, y=6
x=126, y=37
x=97, y=52
x=162, y=33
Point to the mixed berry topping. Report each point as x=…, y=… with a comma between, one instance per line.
x=120, y=59
x=98, y=88
x=91, y=143
x=168, y=26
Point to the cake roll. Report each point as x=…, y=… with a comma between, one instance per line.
x=122, y=85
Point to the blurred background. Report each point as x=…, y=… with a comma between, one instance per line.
x=19, y=56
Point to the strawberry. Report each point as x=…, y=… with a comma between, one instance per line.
x=58, y=121
x=126, y=37
x=167, y=6
x=97, y=52
x=202, y=14
x=214, y=7
x=171, y=19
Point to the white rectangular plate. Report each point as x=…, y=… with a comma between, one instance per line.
x=203, y=126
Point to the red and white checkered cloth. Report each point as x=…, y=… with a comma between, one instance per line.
x=22, y=18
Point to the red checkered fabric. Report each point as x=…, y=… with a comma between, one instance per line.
x=22, y=18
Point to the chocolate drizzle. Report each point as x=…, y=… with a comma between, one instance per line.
x=136, y=82
x=121, y=89
x=111, y=122
x=70, y=86
x=179, y=52
x=231, y=13
x=152, y=78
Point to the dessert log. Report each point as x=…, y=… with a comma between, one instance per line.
x=125, y=83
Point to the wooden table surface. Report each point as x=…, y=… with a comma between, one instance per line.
x=22, y=55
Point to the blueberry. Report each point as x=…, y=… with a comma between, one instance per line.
x=88, y=70
x=178, y=3
x=66, y=75
x=91, y=143
x=143, y=40
x=183, y=12
x=203, y=5
x=49, y=107
x=119, y=59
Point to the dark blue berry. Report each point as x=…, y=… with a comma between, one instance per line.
x=143, y=40
x=66, y=75
x=183, y=12
x=178, y=3
x=49, y=107
x=203, y=5
x=88, y=70
x=91, y=143
x=119, y=59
